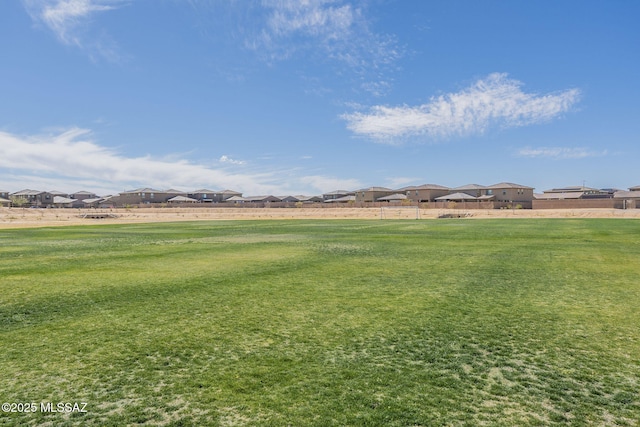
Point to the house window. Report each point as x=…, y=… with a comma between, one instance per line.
x=151, y=195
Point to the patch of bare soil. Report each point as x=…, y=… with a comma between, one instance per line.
x=22, y=217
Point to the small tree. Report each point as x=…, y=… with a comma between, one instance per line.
x=18, y=202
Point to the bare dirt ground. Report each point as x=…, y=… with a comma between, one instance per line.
x=22, y=218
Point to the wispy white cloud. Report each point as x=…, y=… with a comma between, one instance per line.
x=71, y=159
x=494, y=101
x=560, y=152
x=69, y=20
x=335, y=30
x=327, y=19
x=227, y=159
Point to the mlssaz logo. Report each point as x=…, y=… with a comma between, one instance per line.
x=63, y=407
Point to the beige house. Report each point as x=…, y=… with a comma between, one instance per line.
x=144, y=196
x=575, y=192
x=630, y=199
x=262, y=199
x=510, y=193
x=301, y=198
x=424, y=193
x=337, y=194
x=211, y=196
x=34, y=198
x=372, y=194
x=393, y=198
x=83, y=195
x=474, y=190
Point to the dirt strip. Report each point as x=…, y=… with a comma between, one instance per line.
x=23, y=218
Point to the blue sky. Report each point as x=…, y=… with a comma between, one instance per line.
x=310, y=96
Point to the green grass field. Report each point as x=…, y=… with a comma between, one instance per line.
x=327, y=323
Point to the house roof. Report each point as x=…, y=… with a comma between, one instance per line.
x=508, y=185
x=571, y=189
x=3, y=200
x=142, y=190
x=456, y=196
x=559, y=196
x=374, y=189
x=337, y=192
x=309, y=198
x=84, y=193
x=235, y=199
x=343, y=199
x=204, y=190
x=299, y=198
x=469, y=187
x=182, y=199
x=27, y=192
x=392, y=197
x=636, y=188
x=261, y=198
x=62, y=200
x=94, y=200
x=424, y=187
x=627, y=194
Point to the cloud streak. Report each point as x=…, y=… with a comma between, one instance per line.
x=72, y=158
x=334, y=30
x=69, y=20
x=495, y=101
x=227, y=159
x=560, y=152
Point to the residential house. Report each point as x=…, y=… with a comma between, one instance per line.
x=210, y=196
x=227, y=194
x=630, y=199
x=424, y=193
x=301, y=198
x=63, y=202
x=235, y=200
x=33, y=198
x=181, y=199
x=344, y=199
x=508, y=194
x=337, y=194
x=473, y=190
x=262, y=199
x=203, y=195
x=59, y=194
x=575, y=192
x=4, y=198
x=83, y=195
x=142, y=196
x=457, y=197
x=576, y=197
x=372, y=194
x=393, y=198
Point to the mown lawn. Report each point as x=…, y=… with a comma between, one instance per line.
x=327, y=323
